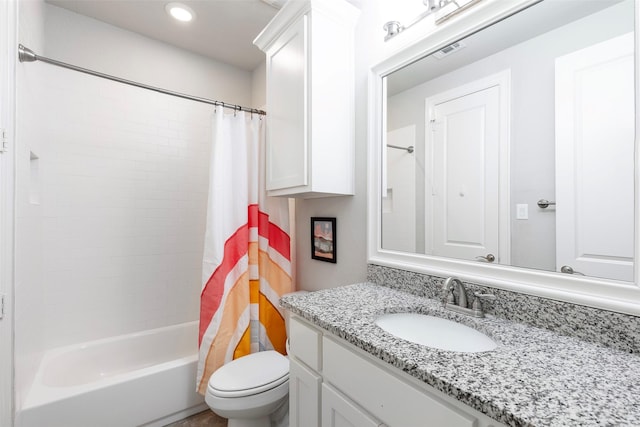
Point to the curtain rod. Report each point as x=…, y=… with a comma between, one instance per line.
x=27, y=55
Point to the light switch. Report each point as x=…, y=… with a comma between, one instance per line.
x=522, y=211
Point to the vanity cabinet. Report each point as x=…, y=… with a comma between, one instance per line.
x=351, y=387
x=313, y=403
x=310, y=99
x=304, y=379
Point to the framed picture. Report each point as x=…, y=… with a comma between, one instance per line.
x=323, y=239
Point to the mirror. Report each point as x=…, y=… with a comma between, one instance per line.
x=514, y=146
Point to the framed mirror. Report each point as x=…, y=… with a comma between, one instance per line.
x=502, y=150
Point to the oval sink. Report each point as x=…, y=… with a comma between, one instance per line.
x=435, y=332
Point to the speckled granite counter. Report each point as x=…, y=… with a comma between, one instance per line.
x=534, y=378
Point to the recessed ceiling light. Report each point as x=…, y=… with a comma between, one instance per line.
x=180, y=12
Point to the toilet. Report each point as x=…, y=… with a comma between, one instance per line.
x=252, y=391
x=249, y=389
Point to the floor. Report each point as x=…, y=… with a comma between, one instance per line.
x=203, y=419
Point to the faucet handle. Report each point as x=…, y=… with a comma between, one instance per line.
x=478, y=311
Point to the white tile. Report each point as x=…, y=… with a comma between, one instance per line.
x=124, y=199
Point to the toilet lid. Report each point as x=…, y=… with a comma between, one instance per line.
x=250, y=374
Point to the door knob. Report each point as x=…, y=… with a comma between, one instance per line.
x=486, y=258
x=568, y=270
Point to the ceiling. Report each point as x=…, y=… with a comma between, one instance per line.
x=223, y=29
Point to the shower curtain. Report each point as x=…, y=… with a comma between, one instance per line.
x=247, y=256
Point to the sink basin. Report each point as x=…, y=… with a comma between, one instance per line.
x=435, y=332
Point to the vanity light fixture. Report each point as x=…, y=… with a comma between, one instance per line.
x=180, y=12
x=441, y=9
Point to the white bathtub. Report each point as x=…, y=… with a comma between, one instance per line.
x=141, y=379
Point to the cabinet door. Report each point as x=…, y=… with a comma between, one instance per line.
x=304, y=396
x=338, y=411
x=386, y=395
x=287, y=142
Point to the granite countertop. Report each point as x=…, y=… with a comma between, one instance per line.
x=533, y=378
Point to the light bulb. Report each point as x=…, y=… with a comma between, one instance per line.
x=180, y=12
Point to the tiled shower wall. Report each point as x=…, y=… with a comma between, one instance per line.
x=111, y=182
x=122, y=179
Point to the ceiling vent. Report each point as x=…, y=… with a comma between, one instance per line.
x=448, y=50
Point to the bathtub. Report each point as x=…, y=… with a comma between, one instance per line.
x=141, y=379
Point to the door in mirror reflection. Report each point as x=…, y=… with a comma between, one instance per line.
x=594, y=160
x=463, y=150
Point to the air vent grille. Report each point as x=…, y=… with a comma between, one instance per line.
x=448, y=50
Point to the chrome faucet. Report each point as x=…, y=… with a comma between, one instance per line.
x=452, y=286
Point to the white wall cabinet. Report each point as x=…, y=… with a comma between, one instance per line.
x=349, y=387
x=310, y=99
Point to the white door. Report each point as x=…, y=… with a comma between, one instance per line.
x=467, y=136
x=595, y=160
x=399, y=200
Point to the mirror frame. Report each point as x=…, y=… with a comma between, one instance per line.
x=618, y=296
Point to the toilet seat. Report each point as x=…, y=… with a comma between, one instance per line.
x=250, y=375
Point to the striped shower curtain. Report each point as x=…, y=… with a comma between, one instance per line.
x=247, y=257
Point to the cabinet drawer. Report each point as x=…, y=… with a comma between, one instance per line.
x=390, y=399
x=305, y=343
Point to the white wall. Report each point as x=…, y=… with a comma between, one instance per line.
x=29, y=275
x=8, y=53
x=93, y=44
x=114, y=243
x=259, y=86
x=532, y=122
